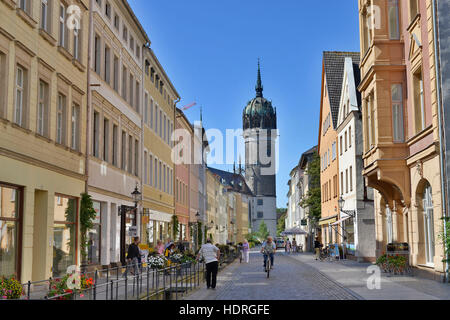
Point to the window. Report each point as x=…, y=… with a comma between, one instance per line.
x=61, y=120
x=136, y=158
x=151, y=171
x=97, y=54
x=130, y=154
x=160, y=123
x=370, y=114
x=419, y=104
x=76, y=44
x=21, y=96
x=146, y=108
x=260, y=202
x=345, y=140
x=2, y=85
x=45, y=15
x=94, y=236
x=342, y=145
x=124, y=83
x=64, y=234
x=413, y=9
x=155, y=184
x=145, y=167
x=63, y=31
x=397, y=112
x=152, y=74
x=114, y=145
x=42, y=110
x=116, y=21
x=260, y=215
x=394, y=32
x=160, y=173
x=131, y=90
x=75, y=127
x=123, y=160
x=25, y=5
x=342, y=183
x=116, y=74
x=346, y=180
x=96, y=130
x=125, y=34
x=428, y=224
x=351, y=178
x=151, y=113
x=138, y=97
x=105, y=139
x=99, y=3
x=156, y=81
x=349, y=137
x=11, y=199
x=138, y=51
x=333, y=151
x=107, y=64
x=164, y=177
x=165, y=128
x=108, y=10
x=131, y=43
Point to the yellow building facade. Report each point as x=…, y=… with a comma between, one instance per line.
x=43, y=83
x=160, y=99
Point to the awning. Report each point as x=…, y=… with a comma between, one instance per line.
x=293, y=231
x=327, y=221
x=344, y=217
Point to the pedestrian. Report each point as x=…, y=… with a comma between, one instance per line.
x=180, y=247
x=317, y=246
x=294, y=245
x=133, y=256
x=288, y=246
x=210, y=254
x=159, y=247
x=246, y=251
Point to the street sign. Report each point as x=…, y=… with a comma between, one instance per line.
x=132, y=231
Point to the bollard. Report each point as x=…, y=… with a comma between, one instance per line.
x=95, y=284
x=29, y=288
x=126, y=287
x=148, y=282
x=112, y=289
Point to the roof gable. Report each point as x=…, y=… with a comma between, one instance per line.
x=333, y=62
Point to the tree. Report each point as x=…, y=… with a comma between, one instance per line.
x=263, y=232
x=312, y=200
x=87, y=217
x=281, y=223
x=175, y=227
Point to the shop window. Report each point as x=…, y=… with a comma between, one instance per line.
x=9, y=230
x=64, y=235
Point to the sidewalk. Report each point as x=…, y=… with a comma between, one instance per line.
x=353, y=275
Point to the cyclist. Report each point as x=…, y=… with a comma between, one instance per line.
x=268, y=249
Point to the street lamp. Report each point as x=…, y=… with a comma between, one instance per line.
x=351, y=213
x=136, y=195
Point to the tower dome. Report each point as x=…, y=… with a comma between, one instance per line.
x=259, y=112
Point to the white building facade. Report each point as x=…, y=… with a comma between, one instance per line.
x=357, y=224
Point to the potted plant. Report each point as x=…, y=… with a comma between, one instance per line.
x=10, y=288
x=382, y=263
x=157, y=262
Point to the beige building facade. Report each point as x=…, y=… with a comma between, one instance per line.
x=43, y=83
x=401, y=136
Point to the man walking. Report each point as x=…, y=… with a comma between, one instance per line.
x=317, y=246
x=211, y=255
x=134, y=255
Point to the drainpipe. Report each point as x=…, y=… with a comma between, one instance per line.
x=89, y=96
x=441, y=133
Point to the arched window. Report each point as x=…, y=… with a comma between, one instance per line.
x=428, y=223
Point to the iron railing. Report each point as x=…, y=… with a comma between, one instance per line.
x=120, y=283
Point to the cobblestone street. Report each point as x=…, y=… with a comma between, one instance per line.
x=289, y=280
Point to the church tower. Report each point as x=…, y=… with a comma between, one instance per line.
x=260, y=135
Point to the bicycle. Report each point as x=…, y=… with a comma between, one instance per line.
x=268, y=265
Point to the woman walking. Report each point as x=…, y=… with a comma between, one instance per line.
x=245, y=251
x=288, y=246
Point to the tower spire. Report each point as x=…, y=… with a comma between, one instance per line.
x=259, y=87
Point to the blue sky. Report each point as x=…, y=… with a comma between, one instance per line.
x=209, y=49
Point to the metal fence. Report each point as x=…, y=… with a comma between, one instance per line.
x=131, y=282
